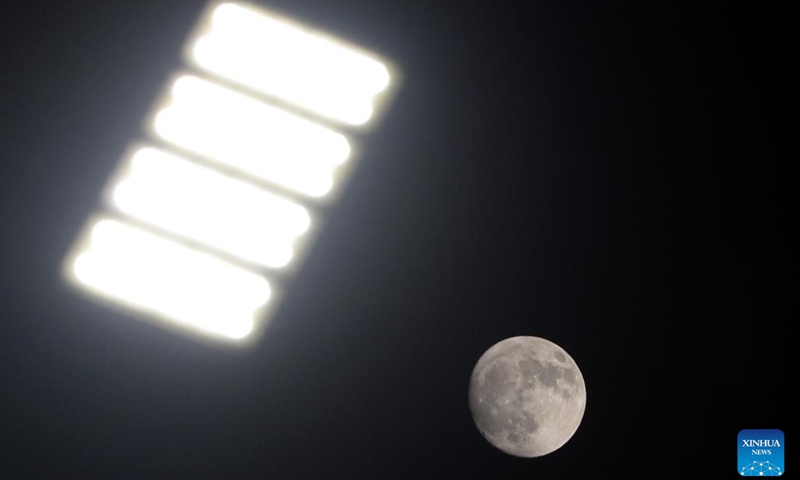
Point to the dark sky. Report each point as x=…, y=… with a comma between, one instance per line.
x=599, y=175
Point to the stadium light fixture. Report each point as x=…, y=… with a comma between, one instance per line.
x=214, y=203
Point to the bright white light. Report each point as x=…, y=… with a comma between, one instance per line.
x=160, y=276
x=198, y=203
x=261, y=140
x=260, y=51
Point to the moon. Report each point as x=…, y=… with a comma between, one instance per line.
x=527, y=396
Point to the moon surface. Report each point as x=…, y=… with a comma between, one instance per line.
x=527, y=396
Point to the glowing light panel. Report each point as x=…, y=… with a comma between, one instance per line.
x=162, y=277
x=255, y=138
x=244, y=144
x=201, y=204
x=263, y=52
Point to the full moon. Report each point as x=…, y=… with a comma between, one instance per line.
x=527, y=396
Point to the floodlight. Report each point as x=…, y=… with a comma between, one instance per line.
x=201, y=204
x=159, y=276
x=300, y=65
x=240, y=132
x=206, y=217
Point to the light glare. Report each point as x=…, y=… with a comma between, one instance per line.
x=240, y=132
x=161, y=276
x=262, y=52
x=201, y=204
x=244, y=144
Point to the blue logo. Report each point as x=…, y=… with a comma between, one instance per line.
x=760, y=453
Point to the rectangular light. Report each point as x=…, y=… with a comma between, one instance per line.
x=203, y=205
x=304, y=67
x=240, y=132
x=160, y=277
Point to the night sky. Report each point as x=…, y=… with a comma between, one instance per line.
x=603, y=176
